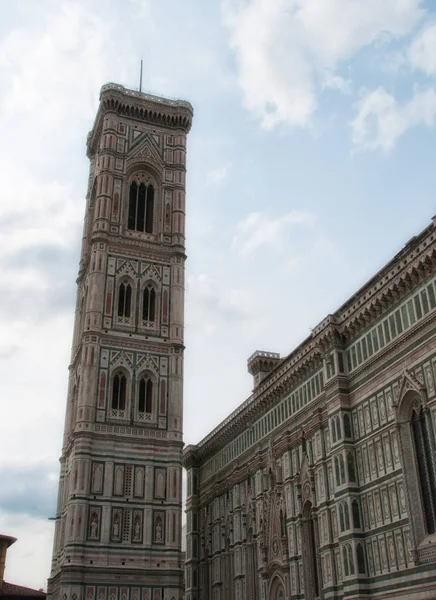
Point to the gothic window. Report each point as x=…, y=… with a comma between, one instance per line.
x=119, y=385
x=347, y=425
x=149, y=304
x=341, y=517
x=124, y=300
x=342, y=468
x=338, y=477
x=356, y=514
x=350, y=559
x=346, y=516
x=351, y=467
x=338, y=428
x=425, y=469
x=345, y=559
x=145, y=398
x=141, y=207
x=333, y=431
x=360, y=558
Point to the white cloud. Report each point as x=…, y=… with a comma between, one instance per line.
x=28, y=562
x=217, y=176
x=288, y=49
x=259, y=230
x=422, y=52
x=381, y=119
x=53, y=72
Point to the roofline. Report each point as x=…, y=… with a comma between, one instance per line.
x=337, y=318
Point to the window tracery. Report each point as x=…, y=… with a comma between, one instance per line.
x=141, y=207
x=145, y=398
x=119, y=395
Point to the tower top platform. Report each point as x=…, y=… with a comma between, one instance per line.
x=153, y=110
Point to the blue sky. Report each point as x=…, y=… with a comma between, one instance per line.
x=311, y=162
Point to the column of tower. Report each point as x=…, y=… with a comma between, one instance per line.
x=118, y=522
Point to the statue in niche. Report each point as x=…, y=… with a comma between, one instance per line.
x=394, y=502
x=388, y=452
x=384, y=556
x=402, y=499
x=409, y=547
x=391, y=551
x=429, y=377
x=376, y=557
x=374, y=414
x=137, y=529
x=386, y=503
x=158, y=530
x=116, y=526
x=400, y=550
x=368, y=418
x=382, y=409
x=389, y=401
x=396, y=451
x=380, y=457
x=93, y=528
x=378, y=508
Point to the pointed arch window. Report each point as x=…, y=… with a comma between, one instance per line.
x=424, y=458
x=149, y=304
x=119, y=385
x=125, y=300
x=145, y=398
x=141, y=207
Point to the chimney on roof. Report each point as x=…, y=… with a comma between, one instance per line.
x=5, y=542
x=261, y=363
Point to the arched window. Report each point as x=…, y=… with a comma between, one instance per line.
x=350, y=559
x=342, y=468
x=356, y=514
x=351, y=467
x=149, y=304
x=338, y=477
x=341, y=517
x=333, y=431
x=360, y=558
x=141, y=207
x=347, y=516
x=145, y=396
x=119, y=392
x=345, y=558
x=425, y=469
x=347, y=425
x=124, y=300
x=338, y=428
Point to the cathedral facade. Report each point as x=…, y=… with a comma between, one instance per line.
x=322, y=484
x=118, y=520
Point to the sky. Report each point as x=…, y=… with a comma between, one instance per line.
x=311, y=162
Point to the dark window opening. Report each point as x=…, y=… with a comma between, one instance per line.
x=119, y=392
x=145, y=401
x=356, y=514
x=124, y=300
x=425, y=469
x=149, y=304
x=141, y=207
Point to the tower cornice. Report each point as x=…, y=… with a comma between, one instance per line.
x=150, y=109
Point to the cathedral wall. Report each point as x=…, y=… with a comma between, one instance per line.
x=324, y=488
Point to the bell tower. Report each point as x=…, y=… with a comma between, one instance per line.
x=118, y=520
